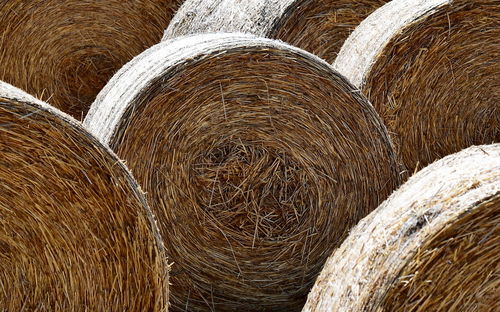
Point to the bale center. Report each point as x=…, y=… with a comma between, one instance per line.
x=253, y=189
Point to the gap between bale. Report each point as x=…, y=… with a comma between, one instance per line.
x=256, y=157
x=317, y=26
x=432, y=246
x=431, y=70
x=76, y=233
x=68, y=49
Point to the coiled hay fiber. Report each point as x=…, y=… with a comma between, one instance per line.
x=76, y=233
x=256, y=156
x=432, y=246
x=431, y=69
x=68, y=49
x=317, y=26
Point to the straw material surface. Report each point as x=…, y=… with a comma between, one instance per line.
x=68, y=49
x=431, y=69
x=257, y=158
x=317, y=26
x=76, y=233
x=432, y=246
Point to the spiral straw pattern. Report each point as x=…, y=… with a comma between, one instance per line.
x=256, y=157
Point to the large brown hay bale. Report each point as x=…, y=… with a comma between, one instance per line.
x=76, y=233
x=432, y=246
x=431, y=69
x=317, y=26
x=68, y=49
x=256, y=156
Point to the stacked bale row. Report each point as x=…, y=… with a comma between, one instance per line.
x=317, y=26
x=257, y=157
x=424, y=65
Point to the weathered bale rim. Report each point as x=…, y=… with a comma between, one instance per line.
x=317, y=26
x=431, y=70
x=256, y=156
x=432, y=246
x=68, y=49
x=76, y=233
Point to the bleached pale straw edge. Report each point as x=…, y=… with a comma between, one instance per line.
x=200, y=16
x=115, y=98
x=362, y=48
x=445, y=189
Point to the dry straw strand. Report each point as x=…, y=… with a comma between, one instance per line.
x=430, y=68
x=256, y=157
x=68, y=49
x=76, y=233
x=317, y=26
x=432, y=246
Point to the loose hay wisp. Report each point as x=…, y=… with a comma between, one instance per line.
x=76, y=233
x=432, y=246
x=257, y=158
x=65, y=51
x=431, y=68
x=317, y=26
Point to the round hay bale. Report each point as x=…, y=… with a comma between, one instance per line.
x=75, y=230
x=68, y=49
x=317, y=26
x=431, y=70
x=256, y=157
x=432, y=246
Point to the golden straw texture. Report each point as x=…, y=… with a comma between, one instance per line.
x=76, y=233
x=317, y=26
x=65, y=51
x=431, y=68
x=432, y=246
x=256, y=157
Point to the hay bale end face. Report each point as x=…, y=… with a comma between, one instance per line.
x=257, y=158
x=432, y=246
x=68, y=49
x=75, y=230
x=317, y=26
x=431, y=70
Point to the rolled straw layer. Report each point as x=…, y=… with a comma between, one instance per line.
x=256, y=156
x=431, y=70
x=76, y=233
x=68, y=49
x=432, y=246
x=317, y=26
